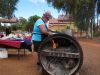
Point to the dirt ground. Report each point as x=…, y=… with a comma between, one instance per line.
x=91, y=50
x=26, y=65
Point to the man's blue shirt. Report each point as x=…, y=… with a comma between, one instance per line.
x=36, y=31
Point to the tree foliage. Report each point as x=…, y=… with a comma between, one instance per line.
x=98, y=6
x=7, y=7
x=82, y=10
x=14, y=27
x=31, y=21
x=23, y=24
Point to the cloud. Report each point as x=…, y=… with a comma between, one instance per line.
x=37, y=1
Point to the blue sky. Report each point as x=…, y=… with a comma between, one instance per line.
x=27, y=8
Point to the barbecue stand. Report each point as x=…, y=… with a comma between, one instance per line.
x=60, y=54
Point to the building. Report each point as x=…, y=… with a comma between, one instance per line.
x=62, y=23
x=8, y=22
x=11, y=20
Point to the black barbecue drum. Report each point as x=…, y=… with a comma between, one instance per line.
x=60, y=54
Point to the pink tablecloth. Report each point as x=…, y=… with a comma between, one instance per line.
x=12, y=43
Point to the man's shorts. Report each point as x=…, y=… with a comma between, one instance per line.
x=36, y=45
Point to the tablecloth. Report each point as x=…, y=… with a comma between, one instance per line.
x=12, y=43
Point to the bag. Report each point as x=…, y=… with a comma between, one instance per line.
x=3, y=53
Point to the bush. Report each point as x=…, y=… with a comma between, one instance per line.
x=96, y=34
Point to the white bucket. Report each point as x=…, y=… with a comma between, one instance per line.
x=3, y=53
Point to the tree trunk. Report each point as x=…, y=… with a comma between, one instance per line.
x=92, y=23
x=97, y=23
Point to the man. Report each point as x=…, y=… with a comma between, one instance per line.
x=11, y=36
x=40, y=30
x=8, y=31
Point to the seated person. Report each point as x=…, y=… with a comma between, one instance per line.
x=19, y=34
x=12, y=36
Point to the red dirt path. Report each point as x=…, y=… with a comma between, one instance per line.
x=91, y=50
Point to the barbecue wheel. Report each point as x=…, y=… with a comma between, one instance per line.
x=61, y=54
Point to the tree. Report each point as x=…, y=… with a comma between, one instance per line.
x=7, y=7
x=23, y=24
x=98, y=12
x=82, y=10
x=14, y=27
x=31, y=21
x=98, y=6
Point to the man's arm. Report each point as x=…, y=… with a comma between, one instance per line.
x=43, y=30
